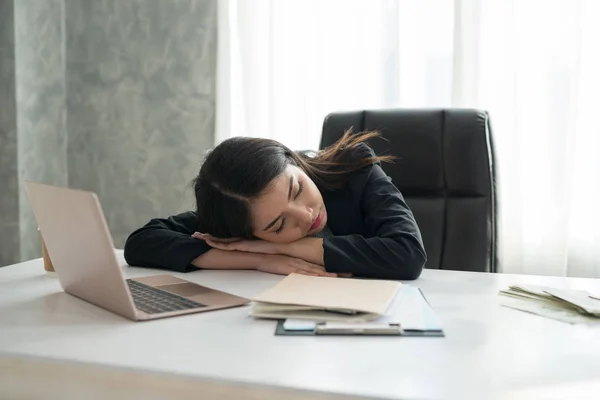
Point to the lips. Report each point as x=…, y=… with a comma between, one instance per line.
x=317, y=222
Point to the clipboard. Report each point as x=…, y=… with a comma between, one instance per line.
x=409, y=315
x=374, y=330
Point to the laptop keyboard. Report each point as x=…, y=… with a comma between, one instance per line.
x=153, y=301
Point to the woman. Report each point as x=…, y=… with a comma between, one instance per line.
x=261, y=206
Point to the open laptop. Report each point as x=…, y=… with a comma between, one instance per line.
x=81, y=248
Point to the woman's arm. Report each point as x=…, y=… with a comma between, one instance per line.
x=308, y=248
x=391, y=246
x=219, y=259
x=168, y=243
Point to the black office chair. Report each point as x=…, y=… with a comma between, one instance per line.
x=445, y=170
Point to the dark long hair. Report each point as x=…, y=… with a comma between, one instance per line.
x=240, y=169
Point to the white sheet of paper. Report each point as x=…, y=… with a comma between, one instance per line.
x=408, y=308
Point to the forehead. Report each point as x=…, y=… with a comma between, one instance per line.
x=270, y=204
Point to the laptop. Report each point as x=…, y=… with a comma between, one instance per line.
x=79, y=243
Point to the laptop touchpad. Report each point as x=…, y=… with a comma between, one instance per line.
x=201, y=294
x=185, y=289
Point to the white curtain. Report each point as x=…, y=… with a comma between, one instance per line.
x=533, y=64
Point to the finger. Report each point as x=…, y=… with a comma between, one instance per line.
x=217, y=245
x=228, y=240
x=302, y=264
x=308, y=273
x=320, y=271
x=206, y=236
x=315, y=267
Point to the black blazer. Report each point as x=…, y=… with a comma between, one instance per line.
x=375, y=234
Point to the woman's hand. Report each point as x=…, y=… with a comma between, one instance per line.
x=206, y=236
x=273, y=258
x=285, y=265
x=309, y=249
x=235, y=244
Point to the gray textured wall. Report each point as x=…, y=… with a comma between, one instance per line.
x=9, y=182
x=40, y=92
x=114, y=96
x=141, y=99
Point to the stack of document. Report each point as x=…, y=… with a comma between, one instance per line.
x=567, y=305
x=408, y=315
x=325, y=299
x=309, y=305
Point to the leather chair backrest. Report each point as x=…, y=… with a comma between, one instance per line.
x=445, y=169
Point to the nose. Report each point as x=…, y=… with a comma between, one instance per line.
x=304, y=216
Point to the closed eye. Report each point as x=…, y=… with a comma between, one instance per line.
x=300, y=188
x=280, y=227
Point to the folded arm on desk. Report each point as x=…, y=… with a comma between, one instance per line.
x=168, y=243
x=391, y=247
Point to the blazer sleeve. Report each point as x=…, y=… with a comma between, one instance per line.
x=391, y=246
x=166, y=243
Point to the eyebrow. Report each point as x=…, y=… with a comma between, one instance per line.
x=289, y=197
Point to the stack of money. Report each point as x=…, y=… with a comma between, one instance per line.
x=568, y=305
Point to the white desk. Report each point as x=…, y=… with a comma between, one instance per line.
x=489, y=351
